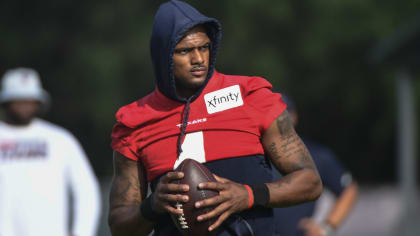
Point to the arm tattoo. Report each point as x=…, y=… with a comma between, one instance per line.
x=284, y=124
x=125, y=187
x=288, y=149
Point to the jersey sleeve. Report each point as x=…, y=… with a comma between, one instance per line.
x=267, y=106
x=122, y=138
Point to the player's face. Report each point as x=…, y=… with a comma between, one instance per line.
x=22, y=112
x=191, y=61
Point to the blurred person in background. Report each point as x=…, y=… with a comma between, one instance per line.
x=299, y=220
x=40, y=165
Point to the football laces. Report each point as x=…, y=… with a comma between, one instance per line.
x=181, y=218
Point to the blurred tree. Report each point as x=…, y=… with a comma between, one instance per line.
x=94, y=57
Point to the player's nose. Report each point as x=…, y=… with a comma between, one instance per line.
x=197, y=57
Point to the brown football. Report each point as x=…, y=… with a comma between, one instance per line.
x=194, y=173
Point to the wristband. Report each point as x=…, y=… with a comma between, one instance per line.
x=250, y=196
x=261, y=194
x=146, y=209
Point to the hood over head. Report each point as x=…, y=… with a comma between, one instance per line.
x=172, y=21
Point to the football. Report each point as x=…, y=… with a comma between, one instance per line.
x=194, y=173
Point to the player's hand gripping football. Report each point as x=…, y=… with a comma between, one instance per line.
x=232, y=198
x=167, y=193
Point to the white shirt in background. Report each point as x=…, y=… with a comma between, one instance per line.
x=40, y=165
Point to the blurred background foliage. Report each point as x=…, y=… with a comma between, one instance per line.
x=93, y=57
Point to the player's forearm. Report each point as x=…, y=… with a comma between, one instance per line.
x=343, y=205
x=295, y=188
x=300, y=182
x=128, y=189
x=127, y=221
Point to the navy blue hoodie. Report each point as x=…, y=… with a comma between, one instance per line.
x=172, y=21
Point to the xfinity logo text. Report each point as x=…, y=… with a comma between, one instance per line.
x=220, y=100
x=223, y=99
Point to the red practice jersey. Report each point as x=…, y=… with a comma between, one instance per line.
x=227, y=120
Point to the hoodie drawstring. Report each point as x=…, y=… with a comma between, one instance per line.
x=184, y=124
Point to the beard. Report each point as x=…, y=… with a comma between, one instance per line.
x=187, y=88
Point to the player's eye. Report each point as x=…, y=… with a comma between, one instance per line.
x=183, y=51
x=205, y=47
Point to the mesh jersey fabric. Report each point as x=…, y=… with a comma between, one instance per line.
x=148, y=128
